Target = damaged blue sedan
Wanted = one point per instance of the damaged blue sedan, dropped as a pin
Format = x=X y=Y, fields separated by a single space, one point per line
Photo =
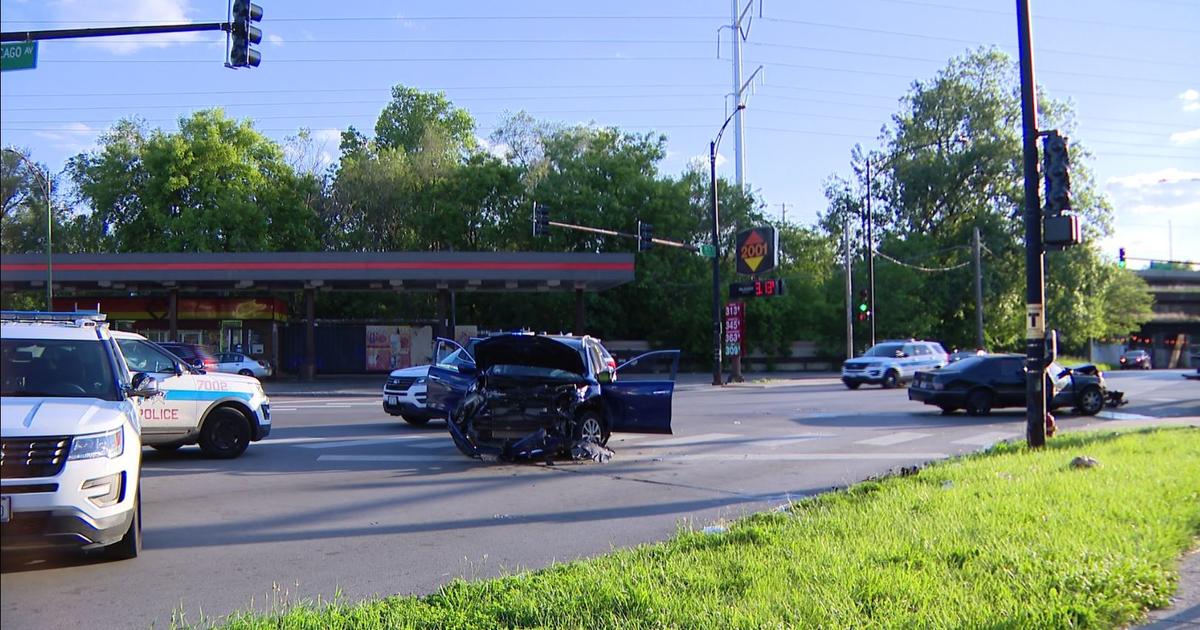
x=526 y=397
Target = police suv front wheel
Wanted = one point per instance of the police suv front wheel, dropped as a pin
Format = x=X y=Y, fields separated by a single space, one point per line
x=225 y=434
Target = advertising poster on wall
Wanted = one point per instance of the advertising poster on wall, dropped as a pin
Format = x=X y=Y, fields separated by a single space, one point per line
x=388 y=347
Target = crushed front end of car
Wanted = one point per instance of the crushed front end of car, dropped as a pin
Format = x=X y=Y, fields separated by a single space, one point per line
x=525 y=403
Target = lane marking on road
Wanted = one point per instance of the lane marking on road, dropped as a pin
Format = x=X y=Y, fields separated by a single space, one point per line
x=384 y=458
x=297 y=441
x=894 y=438
x=274 y=408
x=361 y=442
x=794 y=457
x=692 y=439
x=1117 y=415
x=306 y=401
x=986 y=439
x=776 y=442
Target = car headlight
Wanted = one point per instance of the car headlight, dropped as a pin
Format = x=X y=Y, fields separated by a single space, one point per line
x=109 y=444
x=420 y=380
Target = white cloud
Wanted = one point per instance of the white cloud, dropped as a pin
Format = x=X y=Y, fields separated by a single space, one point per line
x=1156 y=214
x=1191 y=100
x=498 y=150
x=1186 y=137
x=325 y=136
x=73 y=137
x=92 y=14
x=275 y=39
x=700 y=162
x=1154 y=178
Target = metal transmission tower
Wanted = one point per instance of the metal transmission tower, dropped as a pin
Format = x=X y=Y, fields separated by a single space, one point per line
x=739 y=33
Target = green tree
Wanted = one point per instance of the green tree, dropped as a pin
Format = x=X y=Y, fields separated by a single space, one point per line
x=214 y=185
x=420 y=121
x=953 y=163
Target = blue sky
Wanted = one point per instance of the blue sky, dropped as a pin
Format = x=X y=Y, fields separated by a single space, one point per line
x=832 y=76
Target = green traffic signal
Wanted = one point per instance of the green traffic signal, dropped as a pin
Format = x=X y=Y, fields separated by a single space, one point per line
x=862 y=307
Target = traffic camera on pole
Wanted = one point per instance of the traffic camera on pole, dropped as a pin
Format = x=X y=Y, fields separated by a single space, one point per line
x=645 y=236
x=541 y=219
x=243 y=33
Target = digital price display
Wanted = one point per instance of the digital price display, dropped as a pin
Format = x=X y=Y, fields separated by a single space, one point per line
x=759 y=288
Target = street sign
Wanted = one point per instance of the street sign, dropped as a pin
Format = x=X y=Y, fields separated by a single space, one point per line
x=708 y=251
x=19 y=56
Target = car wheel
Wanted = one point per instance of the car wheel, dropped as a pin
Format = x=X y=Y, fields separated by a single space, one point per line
x=130 y=544
x=948 y=409
x=245 y=372
x=166 y=448
x=591 y=427
x=225 y=434
x=852 y=385
x=891 y=379
x=979 y=402
x=1091 y=401
x=416 y=421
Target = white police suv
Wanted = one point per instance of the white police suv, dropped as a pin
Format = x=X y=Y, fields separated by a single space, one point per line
x=222 y=413
x=889 y=363
x=70 y=449
x=404 y=395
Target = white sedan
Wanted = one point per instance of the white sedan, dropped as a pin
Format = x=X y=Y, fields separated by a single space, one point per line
x=238 y=363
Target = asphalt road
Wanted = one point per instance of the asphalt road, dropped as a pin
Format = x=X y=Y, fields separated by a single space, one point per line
x=344 y=499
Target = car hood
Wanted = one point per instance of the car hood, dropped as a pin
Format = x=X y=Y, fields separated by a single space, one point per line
x=235 y=381
x=528 y=350
x=33 y=417
x=861 y=362
x=410 y=372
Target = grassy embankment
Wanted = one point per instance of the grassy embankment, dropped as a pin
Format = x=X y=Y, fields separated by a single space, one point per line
x=1013 y=538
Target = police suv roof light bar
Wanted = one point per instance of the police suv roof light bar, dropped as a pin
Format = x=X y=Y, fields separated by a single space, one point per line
x=52 y=316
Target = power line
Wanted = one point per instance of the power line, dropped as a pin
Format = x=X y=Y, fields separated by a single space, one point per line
x=386 y=88
x=919 y=267
x=398 y=59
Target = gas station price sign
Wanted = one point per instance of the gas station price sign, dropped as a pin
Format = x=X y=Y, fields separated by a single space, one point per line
x=769 y=287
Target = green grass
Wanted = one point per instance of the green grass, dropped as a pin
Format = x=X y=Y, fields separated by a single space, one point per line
x=1009 y=539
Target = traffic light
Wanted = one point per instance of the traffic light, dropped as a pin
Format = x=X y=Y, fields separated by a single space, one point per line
x=645 y=236
x=243 y=33
x=541 y=219
x=863 y=307
x=1121 y=258
x=1055 y=168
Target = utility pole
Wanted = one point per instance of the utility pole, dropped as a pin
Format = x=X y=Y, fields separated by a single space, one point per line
x=978 y=292
x=870 y=255
x=738 y=140
x=783 y=213
x=1035 y=290
x=849 y=295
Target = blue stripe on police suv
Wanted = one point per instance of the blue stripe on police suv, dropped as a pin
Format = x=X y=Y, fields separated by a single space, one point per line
x=177 y=394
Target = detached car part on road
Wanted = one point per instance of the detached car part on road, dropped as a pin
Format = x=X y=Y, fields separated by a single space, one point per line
x=70 y=444
x=980 y=384
x=537 y=397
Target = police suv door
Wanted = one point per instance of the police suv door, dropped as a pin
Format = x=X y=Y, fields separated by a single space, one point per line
x=162 y=415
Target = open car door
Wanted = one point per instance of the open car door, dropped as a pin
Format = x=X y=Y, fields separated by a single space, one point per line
x=450 y=375
x=639 y=395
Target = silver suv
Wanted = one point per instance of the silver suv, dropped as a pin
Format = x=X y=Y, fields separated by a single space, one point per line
x=892 y=362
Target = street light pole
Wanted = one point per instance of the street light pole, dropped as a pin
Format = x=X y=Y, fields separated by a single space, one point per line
x=716 y=243
x=870 y=256
x=49 y=226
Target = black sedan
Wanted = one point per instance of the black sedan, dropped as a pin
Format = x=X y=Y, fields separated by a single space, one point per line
x=980 y=384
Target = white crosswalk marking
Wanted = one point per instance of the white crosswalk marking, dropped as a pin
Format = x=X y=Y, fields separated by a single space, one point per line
x=1117 y=415
x=985 y=439
x=892 y=439
x=795 y=457
x=692 y=439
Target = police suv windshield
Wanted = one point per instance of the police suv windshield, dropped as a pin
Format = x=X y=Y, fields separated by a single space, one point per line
x=63 y=368
x=884 y=350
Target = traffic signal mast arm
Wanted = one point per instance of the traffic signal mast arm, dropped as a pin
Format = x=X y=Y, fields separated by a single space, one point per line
x=656 y=241
x=75 y=33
